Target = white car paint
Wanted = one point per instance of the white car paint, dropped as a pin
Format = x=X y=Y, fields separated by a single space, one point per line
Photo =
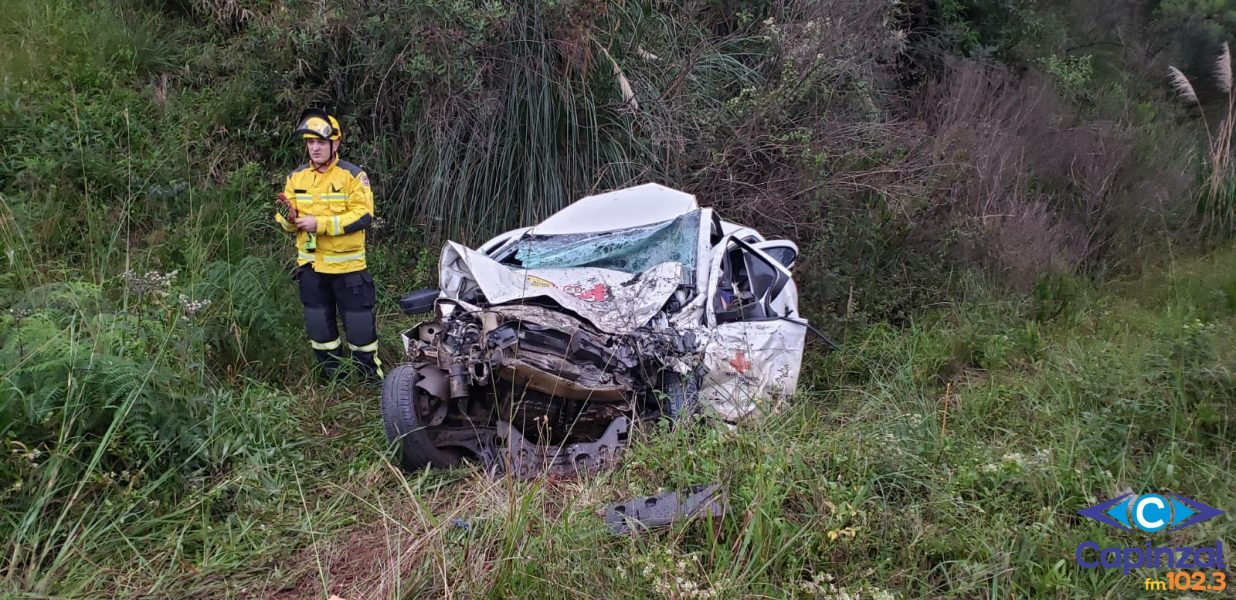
x=749 y=365
x=620 y=209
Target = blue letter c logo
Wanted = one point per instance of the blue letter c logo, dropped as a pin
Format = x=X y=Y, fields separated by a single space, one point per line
x=1152 y=512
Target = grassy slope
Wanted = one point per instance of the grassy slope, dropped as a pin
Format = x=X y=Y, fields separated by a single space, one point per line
x=943 y=459
x=946 y=460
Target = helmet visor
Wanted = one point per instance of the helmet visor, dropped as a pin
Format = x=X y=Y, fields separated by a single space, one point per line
x=315 y=126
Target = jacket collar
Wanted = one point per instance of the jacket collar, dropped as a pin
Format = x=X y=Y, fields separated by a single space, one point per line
x=329 y=166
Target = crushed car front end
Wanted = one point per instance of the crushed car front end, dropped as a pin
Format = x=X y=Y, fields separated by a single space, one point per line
x=547 y=343
x=527 y=389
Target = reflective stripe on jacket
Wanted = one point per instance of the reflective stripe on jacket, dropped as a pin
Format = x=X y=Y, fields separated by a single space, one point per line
x=342 y=201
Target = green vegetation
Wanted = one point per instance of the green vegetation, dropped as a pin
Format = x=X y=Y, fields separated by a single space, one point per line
x=999 y=223
x=946 y=458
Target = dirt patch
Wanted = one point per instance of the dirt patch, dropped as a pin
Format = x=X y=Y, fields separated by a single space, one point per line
x=367 y=561
x=362 y=557
x=444 y=541
x=413 y=543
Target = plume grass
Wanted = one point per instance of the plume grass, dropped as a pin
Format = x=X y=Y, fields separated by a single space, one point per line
x=1223 y=69
x=1184 y=88
x=1216 y=204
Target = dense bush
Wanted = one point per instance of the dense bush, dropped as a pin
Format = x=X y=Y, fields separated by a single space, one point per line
x=909 y=162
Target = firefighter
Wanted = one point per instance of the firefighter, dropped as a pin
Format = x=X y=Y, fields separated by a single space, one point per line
x=329 y=205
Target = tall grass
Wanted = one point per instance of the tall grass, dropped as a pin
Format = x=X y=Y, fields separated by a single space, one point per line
x=128 y=300
x=565 y=114
x=1217 y=199
x=943 y=460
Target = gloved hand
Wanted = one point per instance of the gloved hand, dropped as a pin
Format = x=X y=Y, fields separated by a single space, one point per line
x=282 y=198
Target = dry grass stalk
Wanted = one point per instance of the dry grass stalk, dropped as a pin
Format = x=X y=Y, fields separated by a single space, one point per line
x=628 y=92
x=1223 y=69
x=1182 y=85
x=1217 y=209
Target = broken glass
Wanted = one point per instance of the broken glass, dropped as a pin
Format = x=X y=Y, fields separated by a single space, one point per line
x=632 y=250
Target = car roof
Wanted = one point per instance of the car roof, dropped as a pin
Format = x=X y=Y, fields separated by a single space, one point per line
x=620 y=209
x=741 y=232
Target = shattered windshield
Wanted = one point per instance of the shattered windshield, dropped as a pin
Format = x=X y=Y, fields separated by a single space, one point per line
x=632 y=250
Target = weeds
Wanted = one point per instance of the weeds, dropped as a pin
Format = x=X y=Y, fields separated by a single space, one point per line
x=945 y=461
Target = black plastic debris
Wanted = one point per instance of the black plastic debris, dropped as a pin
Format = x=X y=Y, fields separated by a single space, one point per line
x=661 y=510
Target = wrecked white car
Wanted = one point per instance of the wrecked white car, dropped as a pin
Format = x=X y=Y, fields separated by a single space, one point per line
x=548 y=341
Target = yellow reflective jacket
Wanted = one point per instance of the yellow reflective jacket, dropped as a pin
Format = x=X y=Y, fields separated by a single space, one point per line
x=342 y=201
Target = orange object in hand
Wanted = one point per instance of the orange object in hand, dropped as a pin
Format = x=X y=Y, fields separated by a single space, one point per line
x=291 y=209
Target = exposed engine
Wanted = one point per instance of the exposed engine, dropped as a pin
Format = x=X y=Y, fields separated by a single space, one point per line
x=540 y=379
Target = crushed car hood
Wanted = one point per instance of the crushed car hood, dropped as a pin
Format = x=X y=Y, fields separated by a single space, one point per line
x=612 y=301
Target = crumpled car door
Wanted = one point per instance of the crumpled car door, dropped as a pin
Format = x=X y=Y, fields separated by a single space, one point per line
x=754 y=337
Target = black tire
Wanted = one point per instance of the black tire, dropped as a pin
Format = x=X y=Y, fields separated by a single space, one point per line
x=404 y=425
x=682 y=393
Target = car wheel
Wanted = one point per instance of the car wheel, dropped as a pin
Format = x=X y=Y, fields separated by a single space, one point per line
x=683 y=395
x=401 y=413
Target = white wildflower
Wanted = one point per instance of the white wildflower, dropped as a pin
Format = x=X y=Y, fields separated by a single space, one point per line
x=151 y=282
x=192 y=307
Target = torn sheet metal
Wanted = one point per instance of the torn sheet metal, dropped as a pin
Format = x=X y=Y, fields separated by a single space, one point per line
x=535 y=377
x=663 y=509
x=523 y=459
x=613 y=301
x=750 y=365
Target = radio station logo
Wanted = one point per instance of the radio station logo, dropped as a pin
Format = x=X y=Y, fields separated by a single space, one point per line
x=1154 y=514
x=1150 y=512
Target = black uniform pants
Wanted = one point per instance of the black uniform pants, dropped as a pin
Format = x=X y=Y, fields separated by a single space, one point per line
x=327 y=296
